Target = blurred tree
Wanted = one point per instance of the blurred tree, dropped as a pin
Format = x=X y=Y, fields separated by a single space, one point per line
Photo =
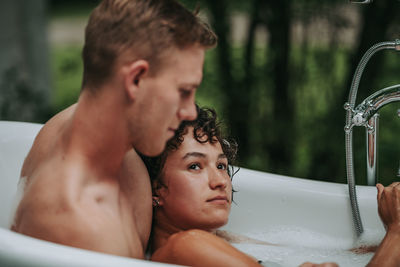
x=237 y=104
x=281 y=86
x=327 y=160
x=376 y=19
x=278 y=16
x=24 y=68
x=292 y=114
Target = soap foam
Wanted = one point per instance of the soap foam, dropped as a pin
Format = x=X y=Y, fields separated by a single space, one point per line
x=298 y=245
x=370 y=237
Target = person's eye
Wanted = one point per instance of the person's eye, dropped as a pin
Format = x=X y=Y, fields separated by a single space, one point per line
x=185 y=93
x=194 y=166
x=222 y=166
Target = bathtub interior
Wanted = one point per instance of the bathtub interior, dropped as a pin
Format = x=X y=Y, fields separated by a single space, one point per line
x=268 y=207
x=310 y=220
x=15 y=141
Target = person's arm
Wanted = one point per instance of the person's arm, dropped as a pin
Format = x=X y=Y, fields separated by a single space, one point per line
x=236 y=238
x=388 y=252
x=200 y=248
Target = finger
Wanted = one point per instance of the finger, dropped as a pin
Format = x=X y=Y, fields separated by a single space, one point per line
x=394 y=184
x=380 y=188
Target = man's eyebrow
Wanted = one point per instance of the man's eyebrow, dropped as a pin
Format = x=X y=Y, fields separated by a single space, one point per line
x=190 y=85
x=194 y=154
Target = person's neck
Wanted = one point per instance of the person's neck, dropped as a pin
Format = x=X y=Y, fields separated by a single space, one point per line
x=161 y=232
x=97 y=131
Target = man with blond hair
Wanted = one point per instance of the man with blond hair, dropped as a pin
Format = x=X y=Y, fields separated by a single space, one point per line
x=84 y=183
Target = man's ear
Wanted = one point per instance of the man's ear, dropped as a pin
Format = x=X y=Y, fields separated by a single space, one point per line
x=134 y=73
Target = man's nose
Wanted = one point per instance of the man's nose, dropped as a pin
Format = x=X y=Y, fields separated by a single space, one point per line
x=188 y=112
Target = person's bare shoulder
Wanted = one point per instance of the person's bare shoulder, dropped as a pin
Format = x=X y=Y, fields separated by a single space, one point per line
x=55 y=210
x=135 y=184
x=134 y=173
x=200 y=248
x=45 y=141
x=42 y=172
x=66 y=202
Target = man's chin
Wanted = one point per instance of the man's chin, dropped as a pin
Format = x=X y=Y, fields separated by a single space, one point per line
x=150 y=152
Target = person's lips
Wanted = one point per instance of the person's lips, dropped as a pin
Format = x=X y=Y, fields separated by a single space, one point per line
x=172 y=130
x=222 y=199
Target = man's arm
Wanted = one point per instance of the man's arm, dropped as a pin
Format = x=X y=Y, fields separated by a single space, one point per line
x=388 y=252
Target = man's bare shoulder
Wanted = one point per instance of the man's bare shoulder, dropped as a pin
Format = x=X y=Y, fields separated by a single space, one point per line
x=45 y=141
x=135 y=184
x=69 y=201
x=60 y=209
x=134 y=172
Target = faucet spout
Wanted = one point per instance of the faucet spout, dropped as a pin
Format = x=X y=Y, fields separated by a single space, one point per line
x=371 y=105
x=372 y=132
x=368 y=111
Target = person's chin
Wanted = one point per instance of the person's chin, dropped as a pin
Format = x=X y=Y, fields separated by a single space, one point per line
x=220 y=221
x=153 y=151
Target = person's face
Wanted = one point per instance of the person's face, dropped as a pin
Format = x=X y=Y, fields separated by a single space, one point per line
x=167 y=99
x=198 y=190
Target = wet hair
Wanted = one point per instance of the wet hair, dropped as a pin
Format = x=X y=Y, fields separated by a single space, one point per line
x=130 y=30
x=206 y=128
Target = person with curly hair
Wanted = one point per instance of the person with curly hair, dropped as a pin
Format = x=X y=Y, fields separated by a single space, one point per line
x=192 y=196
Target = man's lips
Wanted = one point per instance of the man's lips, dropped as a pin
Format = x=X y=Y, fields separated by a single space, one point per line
x=172 y=131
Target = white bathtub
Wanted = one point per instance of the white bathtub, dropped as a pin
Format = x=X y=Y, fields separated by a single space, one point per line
x=266 y=205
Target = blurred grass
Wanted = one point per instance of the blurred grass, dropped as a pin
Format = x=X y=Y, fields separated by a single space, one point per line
x=67 y=69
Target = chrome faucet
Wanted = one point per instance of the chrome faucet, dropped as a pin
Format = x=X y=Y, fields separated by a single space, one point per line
x=365 y=114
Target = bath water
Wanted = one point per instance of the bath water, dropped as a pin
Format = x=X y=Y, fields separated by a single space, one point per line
x=297 y=245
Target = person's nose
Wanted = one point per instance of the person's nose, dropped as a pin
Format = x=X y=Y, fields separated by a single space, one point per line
x=217 y=179
x=187 y=111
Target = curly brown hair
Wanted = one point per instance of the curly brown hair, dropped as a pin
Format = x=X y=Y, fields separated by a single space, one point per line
x=205 y=125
